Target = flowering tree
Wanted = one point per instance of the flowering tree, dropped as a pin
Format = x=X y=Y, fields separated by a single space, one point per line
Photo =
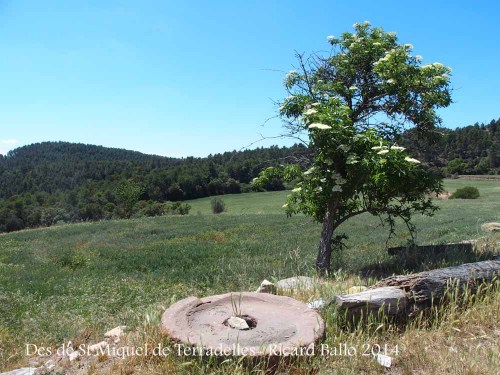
x=353 y=104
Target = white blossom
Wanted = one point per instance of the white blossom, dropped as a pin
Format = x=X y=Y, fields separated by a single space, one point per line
x=352 y=159
x=397 y=148
x=337 y=188
x=382 y=152
x=296 y=190
x=377 y=44
x=309 y=171
x=285 y=205
x=366 y=23
x=315 y=104
x=378 y=147
x=354 y=25
x=419 y=58
x=353 y=88
x=390 y=81
x=344 y=148
x=408 y=46
x=411 y=160
x=439 y=65
x=330 y=38
x=319 y=126
x=310 y=111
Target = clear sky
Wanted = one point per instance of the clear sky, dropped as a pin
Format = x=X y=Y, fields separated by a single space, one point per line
x=180 y=78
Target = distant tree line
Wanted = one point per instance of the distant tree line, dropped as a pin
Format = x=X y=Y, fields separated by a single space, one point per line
x=57 y=182
x=470 y=150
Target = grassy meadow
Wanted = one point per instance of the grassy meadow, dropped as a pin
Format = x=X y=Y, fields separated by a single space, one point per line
x=74 y=282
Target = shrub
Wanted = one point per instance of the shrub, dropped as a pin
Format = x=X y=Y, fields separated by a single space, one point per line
x=218 y=205
x=467 y=192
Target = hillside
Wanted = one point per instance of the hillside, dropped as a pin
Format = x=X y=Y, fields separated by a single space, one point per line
x=96 y=276
x=473 y=149
x=54 y=182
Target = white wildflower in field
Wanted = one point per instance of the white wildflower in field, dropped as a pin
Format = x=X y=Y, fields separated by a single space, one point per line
x=411 y=160
x=382 y=152
x=319 y=126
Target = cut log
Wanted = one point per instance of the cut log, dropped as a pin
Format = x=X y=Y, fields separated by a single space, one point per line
x=390 y=299
x=405 y=295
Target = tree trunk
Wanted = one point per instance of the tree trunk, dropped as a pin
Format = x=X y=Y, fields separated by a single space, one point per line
x=325 y=242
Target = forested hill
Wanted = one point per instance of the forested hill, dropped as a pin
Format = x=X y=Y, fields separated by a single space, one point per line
x=52 y=167
x=51 y=182
x=473 y=149
x=60 y=166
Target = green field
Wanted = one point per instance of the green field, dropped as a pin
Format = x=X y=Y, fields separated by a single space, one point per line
x=76 y=281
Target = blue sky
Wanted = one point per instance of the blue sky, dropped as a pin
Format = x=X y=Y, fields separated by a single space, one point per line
x=180 y=78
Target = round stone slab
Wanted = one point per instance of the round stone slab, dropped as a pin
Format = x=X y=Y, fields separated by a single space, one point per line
x=278 y=325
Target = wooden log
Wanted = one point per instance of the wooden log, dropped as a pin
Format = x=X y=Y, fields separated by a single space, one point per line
x=405 y=295
x=390 y=299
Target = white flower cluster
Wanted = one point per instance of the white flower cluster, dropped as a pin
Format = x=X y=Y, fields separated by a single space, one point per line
x=411 y=160
x=309 y=171
x=352 y=159
x=310 y=111
x=330 y=38
x=319 y=126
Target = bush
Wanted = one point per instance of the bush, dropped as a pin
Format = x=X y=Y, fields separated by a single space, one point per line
x=218 y=205
x=467 y=192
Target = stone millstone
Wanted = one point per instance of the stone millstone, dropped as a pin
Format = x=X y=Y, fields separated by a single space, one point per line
x=277 y=324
